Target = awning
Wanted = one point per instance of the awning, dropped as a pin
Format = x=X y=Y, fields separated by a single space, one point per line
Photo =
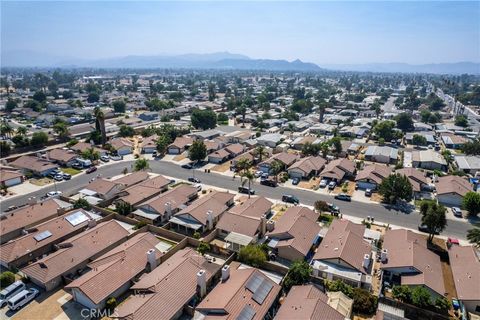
x=273 y=243
x=88 y=192
x=146 y=215
x=188 y=224
x=238 y=238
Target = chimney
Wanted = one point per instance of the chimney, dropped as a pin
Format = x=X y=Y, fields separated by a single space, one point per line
x=366 y=261
x=263 y=225
x=209 y=220
x=152 y=260
x=225 y=272
x=202 y=283
x=270 y=225
x=92 y=223
x=168 y=209
x=384 y=256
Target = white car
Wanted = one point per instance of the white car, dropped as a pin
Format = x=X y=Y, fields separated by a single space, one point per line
x=53 y=193
x=323 y=183
x=22 y=298
x=457 y=212
x=198 y=186
x=258 y=174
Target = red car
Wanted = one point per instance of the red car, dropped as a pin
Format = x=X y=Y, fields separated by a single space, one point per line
x=91 y=169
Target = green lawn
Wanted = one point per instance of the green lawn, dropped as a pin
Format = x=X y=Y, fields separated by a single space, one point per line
x=71 y=171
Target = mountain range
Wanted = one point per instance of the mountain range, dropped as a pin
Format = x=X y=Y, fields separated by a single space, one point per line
x=222 y=60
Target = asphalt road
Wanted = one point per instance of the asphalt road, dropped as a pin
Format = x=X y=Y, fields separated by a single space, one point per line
x=380 y=212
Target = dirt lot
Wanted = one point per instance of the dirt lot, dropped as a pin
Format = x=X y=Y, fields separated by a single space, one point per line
x=311 y=184
x=376 y=197
x=350 y=188
x=222 y=167
x=180 y=157
x=41 y=181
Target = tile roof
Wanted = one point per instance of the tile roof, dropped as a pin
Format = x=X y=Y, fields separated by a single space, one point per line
x=453 y=184
x=6 y=175
x=33 y=163
x=344 y=240
x=254 y=207
x=181 y=142
x=76 y=251
x=118 y=143
x=177 y=197
x=138 y=193
x=61 y=155
x=235 y=148
x=309 y=164
x=416 y=177
x=338 y=168
x=116 y=268
x=216 y=202
x=102 y=186
x=168 y=288
x=284 y=157
x=465 y=264
x=374 y=172
x=245 y=225
x=132 y=178
x=307 y=303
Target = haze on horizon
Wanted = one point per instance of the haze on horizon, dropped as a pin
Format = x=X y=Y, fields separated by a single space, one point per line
x=319 y=32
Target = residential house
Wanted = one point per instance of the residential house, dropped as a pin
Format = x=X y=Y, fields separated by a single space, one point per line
x=112 y=274
x=453 y=141
x=344 y=255
x=166 y=291
x=41 y=238
x=300 y=142
x=202 y=214
x=83 y=146
x=428 y=135
x=179 y=145
x=372 y=176
x=451 y=190
x=122 y=146
x=149 y=144
x=405 y=255
x=338 y=169
x=103 y=189
x=270 y=140
x=322 y=128
x=382 y=154
x=465 y=264
x=136 y=178
x=286 y=159
x=162 y=207
x=428 y=159
x=294 y=234
x=14 y=223
x=245 y=293
x=143 y=191
x=206 y=135
x=149 y=116
x=468 y=164
x=307 y=167
x=74 y=254
x=65 y=158
x=226 y=153
x=417 y=178
x=239 y=136
x=33 y=165
x=10 y=177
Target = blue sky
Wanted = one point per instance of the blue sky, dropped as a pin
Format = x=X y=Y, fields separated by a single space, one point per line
x=320 y=32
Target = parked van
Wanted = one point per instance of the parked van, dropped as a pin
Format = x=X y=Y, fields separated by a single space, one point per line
x=22 y=298
x=10 y=291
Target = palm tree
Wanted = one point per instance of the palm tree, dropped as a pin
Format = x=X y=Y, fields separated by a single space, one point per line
x=6 y=129
x=22 y=131
x=260 y=152
x=275 y=168
x=473 y=236
x=247 y=176
x=242 y=109
x=100 y=124
x=243 y=165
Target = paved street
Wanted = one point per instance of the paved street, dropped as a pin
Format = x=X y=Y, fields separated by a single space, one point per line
x=357 y=209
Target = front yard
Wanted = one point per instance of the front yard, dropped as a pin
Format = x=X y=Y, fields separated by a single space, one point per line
x=71 y=171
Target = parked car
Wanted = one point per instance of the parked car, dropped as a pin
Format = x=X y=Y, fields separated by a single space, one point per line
x=53 y=193
x=77 y=166
x=426 y=229
x=290 y=199
x=194 y=180
x=323 y=183
x=58 y=177
x=268 y=182
x=91 y=169
x=258 y=174
x=457 y=212
x=198 y=186
x=172 y=181
x=116 y=157
x=295 y=181
x=343 y=197
x=105 y=158
x=22 y=298
x=264 y=175
x=368 y=193
x=10 y=291
x=332 y=185
x=187 y=166
x=246 y=190
x=66 y=176
x=154 y=154
x=334 y=209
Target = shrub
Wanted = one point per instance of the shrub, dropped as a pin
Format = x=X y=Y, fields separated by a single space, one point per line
x=421 y=297
x=321 y=206
x=363 y=301
x=139 y=225
x=111 y=304
x=442 y=304
x=298 y=274
x=402 y=293
x=82 y=203
x=196 y=235
x=6 y=279
x=253 y=255
x=203 y=248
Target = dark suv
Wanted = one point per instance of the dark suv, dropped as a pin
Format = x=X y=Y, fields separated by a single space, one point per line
x=290 y=199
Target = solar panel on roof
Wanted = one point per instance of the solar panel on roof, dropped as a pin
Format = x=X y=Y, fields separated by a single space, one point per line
x=262 y=292
x=42 y=235
x=247 y=313
x=254 y=282
x=76 y=218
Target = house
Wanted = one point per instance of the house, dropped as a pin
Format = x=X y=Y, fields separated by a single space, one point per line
x=420 y=126
x=307 y=167
x=149 y=144
x=245 y=293
x=247 y=155
x=239 y=136
x=270 y=139
x=149 y=116
x=136 y=178
x=468 y=164
x=428 y=159
x=235 y=149
x=294 y=234
x=74 y=254
x=382 y=154
x=122 y=146
x=417 y=178
x=286 y=159
x=202 y=214
x=206 y=135
x=451 y=190
x=33 y=165
x=405 y=256
x=65 y=158
x=144 y=190
x=113 y=273
x=10 y=178
x=169 y=288
x=83 y=146
x=179 y=145
x=300 y=142
x=15 y=222
x=41 y=238
x=308 y=302
x=244 y=223
x=338 y=169
x=219 y=156
x=344 y=255
x=372 y=176
x=428 y=135
x=162 y=207
x=322 y=129
x=103 y=189
x=465 y=264
x=453 y=141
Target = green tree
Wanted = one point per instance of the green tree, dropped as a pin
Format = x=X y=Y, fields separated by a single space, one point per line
x=298 y=274
x=82 y=204
x=336 y=142
x=126 y=131
x=260 y=152
x=39 y=96
x=442 y=304
x=91 y=154
x=5 y=148
x=141 y=164
x=275 y=168
x=421 y=297
x=402 y=293
x=197 y=151
x=394 y=187
x=384 y=130
x=203 y=247
x=204 y=119
x=363 y=301
x=434 y=217
x=6 y=129
x=61 y=129
x=211 y=92
x=473 y=236
x=472 y=147
x=39 y=138
x=22 y=131
x=222 y=118
x=6 y=279
x=119 y=106
x=10 y=105
x=247 y=176
x=243 y=165
x=461 y=120
x=93 y=97
x=162 y=143
x=339 y=285
x=100 y=126
x=253 y=255
x=471 y=203
x=310 y=149
x=111 y=304
x=404 y=121
x=123 y=208
x=321 y=206
x=419 y=140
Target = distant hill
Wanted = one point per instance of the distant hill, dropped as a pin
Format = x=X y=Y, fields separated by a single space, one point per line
x=218 y=60
x=435 y=68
